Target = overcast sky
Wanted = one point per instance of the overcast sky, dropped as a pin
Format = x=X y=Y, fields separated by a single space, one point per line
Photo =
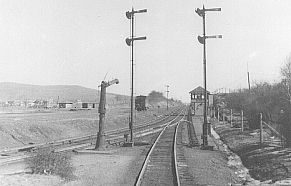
x=78 y=42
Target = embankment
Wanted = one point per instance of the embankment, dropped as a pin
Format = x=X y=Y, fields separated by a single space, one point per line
x=268 y=162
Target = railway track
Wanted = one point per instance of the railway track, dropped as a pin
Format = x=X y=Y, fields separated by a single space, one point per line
x=165 y=163
x=143 y=126
x=19 y=154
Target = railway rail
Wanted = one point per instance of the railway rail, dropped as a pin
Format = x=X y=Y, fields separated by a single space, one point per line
x=165 y=163
x=117 y=136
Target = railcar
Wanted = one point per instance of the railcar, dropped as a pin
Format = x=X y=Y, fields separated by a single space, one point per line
x=140 y=103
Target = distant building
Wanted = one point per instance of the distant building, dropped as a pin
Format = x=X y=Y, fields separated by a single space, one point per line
x=78 y=105
x=65 y=104
x=89 y=105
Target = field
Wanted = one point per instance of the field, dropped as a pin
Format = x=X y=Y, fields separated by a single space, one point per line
x=17 y=129
x=22 y=128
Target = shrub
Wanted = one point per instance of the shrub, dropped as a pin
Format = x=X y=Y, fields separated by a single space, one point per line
x=46 y=161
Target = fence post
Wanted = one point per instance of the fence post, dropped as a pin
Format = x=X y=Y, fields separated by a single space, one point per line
x=230 y=117
x=218 y=113
x=214 y=112
x=223 y=115
x=242 y=120
x=281 y=136
x=261 y=129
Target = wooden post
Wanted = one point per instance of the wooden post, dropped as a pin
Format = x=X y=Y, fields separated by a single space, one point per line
x=214 y=112
x=261 y=129
x=230 y=117
x=223 y=115
x=218 y=113
x=242 y=120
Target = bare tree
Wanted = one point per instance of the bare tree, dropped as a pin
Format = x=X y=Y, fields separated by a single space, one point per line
x=286 y=81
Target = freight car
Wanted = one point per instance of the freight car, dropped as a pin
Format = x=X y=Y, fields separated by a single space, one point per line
x=140 y=103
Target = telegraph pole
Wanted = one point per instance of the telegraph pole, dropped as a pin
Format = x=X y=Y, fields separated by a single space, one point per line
x=129 y=42
x=249 y=78
x=202 y=40
x=167 y=96
x=242 y=120
x=230 y=117
x=218 y=114
x=261 y=130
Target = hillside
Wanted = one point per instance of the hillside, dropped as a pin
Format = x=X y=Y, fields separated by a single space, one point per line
x=17 y=91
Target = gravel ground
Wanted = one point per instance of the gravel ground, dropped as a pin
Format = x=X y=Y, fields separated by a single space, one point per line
x=120 y=168
x=96 y=169
x=208 y=167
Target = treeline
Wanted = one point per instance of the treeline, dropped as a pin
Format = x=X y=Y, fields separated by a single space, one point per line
x=272 y=100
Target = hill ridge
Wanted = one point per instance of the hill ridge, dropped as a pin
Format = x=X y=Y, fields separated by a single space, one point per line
x=20 y=91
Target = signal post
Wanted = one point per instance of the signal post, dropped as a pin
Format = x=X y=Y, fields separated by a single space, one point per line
x=202 y=40
x=129 y=42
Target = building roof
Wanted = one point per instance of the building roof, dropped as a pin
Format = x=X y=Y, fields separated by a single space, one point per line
x=198 y=90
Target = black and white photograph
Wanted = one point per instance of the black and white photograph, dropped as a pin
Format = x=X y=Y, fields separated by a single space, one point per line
x=145 y=92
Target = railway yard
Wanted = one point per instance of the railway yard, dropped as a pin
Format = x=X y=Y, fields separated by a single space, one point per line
x=167 y=162
x=166 y=151
x=61 y=133
x=167 y=147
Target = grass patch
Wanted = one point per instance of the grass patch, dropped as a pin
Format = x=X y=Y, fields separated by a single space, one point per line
x=48 y=162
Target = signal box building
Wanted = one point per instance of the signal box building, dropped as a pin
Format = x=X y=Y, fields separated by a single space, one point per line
x=197 y=98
